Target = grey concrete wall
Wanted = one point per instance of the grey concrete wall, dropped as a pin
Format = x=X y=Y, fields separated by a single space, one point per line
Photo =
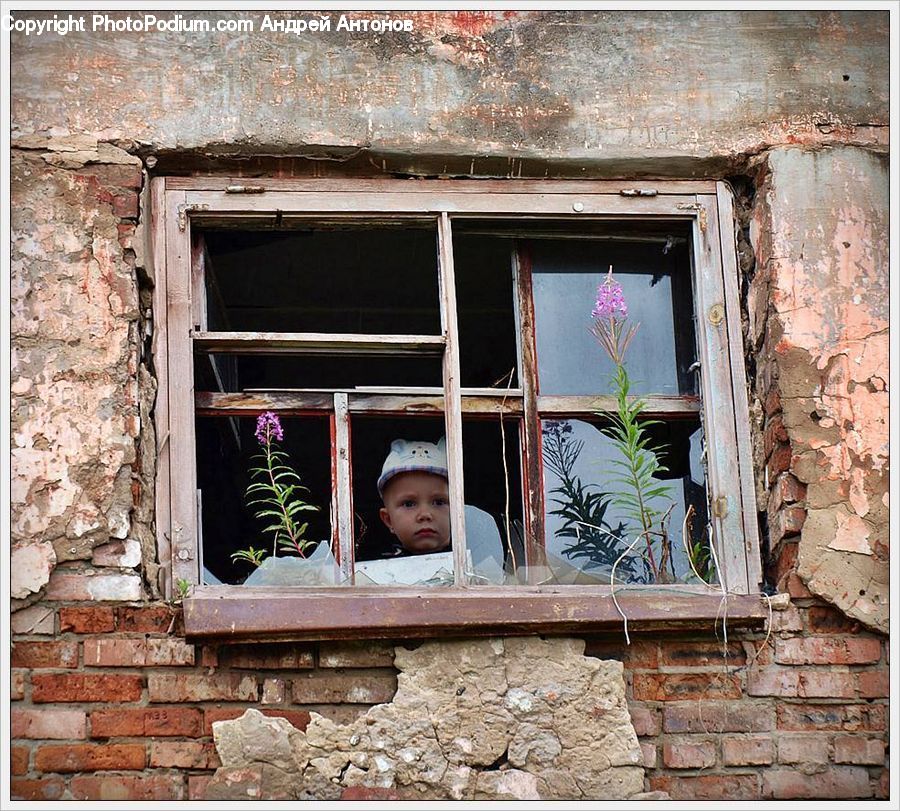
x=606 y=91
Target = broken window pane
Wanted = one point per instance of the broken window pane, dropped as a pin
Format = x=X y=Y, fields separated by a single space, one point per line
x=657 y=290
x=589 y=528
x=227 y=451
x=351 y=278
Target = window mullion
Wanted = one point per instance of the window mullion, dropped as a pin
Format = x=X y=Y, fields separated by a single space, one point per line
x=532 y=468
x=342 y=486
x=183 y=492
x=452 y=399
x=712 y=336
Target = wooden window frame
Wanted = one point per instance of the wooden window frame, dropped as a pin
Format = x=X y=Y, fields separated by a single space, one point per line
x=238 y=612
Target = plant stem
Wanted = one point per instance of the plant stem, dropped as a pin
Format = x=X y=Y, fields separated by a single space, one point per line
x=278 y=494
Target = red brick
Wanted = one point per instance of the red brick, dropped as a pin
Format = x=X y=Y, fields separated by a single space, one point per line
x=297 y=718
x=774 y=433
x=854 y=749
x=874 y=683
x=747 y=751
x=154 y=619
x=361 y=687
x=779 y=461
x=285 y=656
x=114 y=652
x=183 y=755
x=639 y=655
x=49 y=724
x=684 y=686
x=80 y=687
x=831 y=717
x=826 y=684
x=827 y=651
x=46 y=788
x=93 y=620
x=197 y=784
x=122 y=175
x=169 y=652
x=684 y=754
x=140 y=722
x=648 y=754
x=18 y=760
x=811 y=748
x=125 y=205
x=797 y=588
x=696 y=653
x=645 y=721
x=44 y=654
x=356 y=654
x=93 y=584
x=786 y=523
x=209 y=656
x=836 y=783
x=128 y=788
x=90 y=757
x=823 y=619
x=729 y=787
x=17 y=685
x=772 y=402
x=273 y=691
x=718 y=717
x=788 y=621
x=178 y=687
x=787 y=490
x=785 y=560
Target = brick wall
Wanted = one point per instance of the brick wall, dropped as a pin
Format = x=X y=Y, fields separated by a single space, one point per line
x=110 y=702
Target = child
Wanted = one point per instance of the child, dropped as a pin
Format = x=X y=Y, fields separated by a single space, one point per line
x=413 y=486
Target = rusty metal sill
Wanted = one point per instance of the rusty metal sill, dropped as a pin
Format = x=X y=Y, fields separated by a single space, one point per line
x=237 y=613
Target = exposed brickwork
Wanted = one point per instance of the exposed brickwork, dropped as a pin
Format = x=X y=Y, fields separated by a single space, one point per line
x=45 y=654
x=147 y=722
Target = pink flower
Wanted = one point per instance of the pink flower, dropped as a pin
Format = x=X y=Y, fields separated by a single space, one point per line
x=268 y=427
x=610 y=300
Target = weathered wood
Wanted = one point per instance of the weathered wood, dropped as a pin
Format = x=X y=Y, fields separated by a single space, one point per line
x=738 y=384
x=159 y=349
x=531 y=425
x=342 y=486
x=656 y=405
x=724 y=484
x=182 y=495
x=294 y=403
x=221 y=182
x=359 y=203
x=198 y=283
x=317 y=343
x=238 y=612
x=452 y=398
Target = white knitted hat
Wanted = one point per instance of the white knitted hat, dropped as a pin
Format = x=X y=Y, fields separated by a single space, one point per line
x=406 y=457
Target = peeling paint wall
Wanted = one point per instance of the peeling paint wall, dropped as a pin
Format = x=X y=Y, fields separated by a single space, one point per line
x=111 y=702
x=819 y=308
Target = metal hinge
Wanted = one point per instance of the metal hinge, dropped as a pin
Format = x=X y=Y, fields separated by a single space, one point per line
x=720 y=506
x=638 y=192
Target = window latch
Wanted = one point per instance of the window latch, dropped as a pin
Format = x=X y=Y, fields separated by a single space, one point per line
x=638 y=192
x=244 y=189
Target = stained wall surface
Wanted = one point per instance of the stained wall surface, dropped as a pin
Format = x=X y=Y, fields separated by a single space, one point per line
x=111 y=702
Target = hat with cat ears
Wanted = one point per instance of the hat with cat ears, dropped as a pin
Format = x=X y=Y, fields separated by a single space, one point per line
x=407 y=457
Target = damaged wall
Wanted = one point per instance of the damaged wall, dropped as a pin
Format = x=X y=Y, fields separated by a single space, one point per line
x=111 y=702
x=819 y=313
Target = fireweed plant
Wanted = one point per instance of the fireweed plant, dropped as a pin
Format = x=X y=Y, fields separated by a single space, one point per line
x=639 y=492
x=275 y=492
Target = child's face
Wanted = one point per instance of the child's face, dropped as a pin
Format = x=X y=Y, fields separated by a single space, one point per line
x=417 y=510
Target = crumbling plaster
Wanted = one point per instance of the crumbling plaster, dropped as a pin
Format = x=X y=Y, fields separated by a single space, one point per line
x=600 y=91
x=79 y=385
x=520 y=718
x=819 y=305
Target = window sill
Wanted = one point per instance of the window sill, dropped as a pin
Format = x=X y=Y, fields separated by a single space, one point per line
x=242 y=613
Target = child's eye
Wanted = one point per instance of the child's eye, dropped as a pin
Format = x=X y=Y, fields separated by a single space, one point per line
x=408 y=503
x=441 y=502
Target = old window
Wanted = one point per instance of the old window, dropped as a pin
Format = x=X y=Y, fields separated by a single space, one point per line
x=363 y=311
